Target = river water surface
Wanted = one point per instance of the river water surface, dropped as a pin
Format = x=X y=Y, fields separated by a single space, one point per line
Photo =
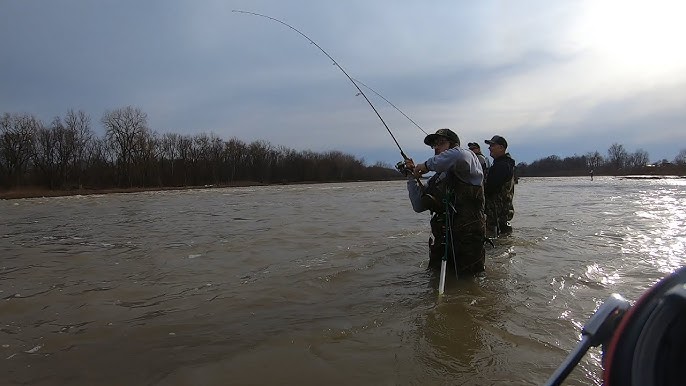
x=317 y=284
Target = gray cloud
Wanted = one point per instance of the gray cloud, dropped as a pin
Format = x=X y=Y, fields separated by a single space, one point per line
x=521 y=70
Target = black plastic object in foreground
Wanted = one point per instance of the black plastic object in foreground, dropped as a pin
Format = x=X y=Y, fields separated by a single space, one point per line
x=649 y=347
x=597 y=331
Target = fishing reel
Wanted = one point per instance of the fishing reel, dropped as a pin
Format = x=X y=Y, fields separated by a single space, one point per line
x=403 y=169
x=642 y=344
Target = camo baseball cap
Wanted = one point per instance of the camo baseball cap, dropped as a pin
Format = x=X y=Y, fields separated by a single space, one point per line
x=431 y=139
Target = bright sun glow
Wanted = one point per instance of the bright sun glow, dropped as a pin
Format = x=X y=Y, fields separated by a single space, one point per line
x=639 y=38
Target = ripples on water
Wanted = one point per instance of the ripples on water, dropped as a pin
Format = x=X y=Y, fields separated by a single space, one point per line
x=313 y=284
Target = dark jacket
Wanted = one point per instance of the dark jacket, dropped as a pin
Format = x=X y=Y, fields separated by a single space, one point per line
x=499 y=174
x=499 y=193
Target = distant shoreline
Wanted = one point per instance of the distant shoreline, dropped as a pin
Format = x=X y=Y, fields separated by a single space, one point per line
x=38 y=192
x=651 y=177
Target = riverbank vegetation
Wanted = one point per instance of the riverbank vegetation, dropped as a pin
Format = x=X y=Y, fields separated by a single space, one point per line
x=67 y=157
x=618 y=162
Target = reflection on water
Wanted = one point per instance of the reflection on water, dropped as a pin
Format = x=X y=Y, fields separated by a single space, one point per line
x=317 y=283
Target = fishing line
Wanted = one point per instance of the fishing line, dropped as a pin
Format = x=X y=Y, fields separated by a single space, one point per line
x=402 y=153
x=394 y=106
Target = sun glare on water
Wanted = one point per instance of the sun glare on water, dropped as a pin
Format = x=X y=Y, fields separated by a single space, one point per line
x=638 y=38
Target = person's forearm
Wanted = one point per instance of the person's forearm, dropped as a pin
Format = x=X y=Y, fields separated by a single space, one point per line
x=415 y=192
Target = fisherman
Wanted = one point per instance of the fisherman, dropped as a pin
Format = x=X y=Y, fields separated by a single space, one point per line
x=457 y=185
x=485 y=162
x=499 y=188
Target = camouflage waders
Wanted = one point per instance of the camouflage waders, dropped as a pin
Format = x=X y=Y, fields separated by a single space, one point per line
x=468 y=227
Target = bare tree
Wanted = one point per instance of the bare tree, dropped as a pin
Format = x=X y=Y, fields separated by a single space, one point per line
x=638 y=159
x=149 y=159
x=185 y=156
x=216 y=158
x=680 y=159
x=124 y=129
x=236 y=154
x=199 y=156
x=64 y=148
x=617 y=156
x=594 y=160
x=78 y=136
x=99 y=164
x=17 y=141
x=258 y=160
x=45 y=152
x=170 y=153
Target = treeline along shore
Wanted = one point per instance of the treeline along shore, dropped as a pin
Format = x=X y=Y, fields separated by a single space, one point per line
x=618 y=162
x=66 y=157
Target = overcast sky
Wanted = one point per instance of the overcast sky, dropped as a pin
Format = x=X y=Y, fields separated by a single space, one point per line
x=552 y=77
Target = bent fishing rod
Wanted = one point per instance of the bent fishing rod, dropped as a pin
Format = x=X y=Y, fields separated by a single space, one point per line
x=360 y=92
